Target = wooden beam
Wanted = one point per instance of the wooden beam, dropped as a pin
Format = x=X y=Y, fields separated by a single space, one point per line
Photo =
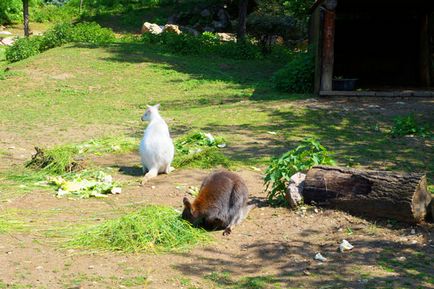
x=315 y=44
x=328 y=50
x=425 y=59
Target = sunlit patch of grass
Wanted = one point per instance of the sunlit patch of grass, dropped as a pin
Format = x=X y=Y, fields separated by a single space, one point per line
x=10 y=222
x=109 y=144
x=152 y=229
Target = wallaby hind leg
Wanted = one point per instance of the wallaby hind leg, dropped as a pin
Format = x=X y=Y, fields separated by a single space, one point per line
x=152 y=173
x=169 y=169
x=238 y=219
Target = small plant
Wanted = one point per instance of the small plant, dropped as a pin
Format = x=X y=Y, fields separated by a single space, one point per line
x=298 y=75
x=300 y=159
x=153 y=229
x=407 y=125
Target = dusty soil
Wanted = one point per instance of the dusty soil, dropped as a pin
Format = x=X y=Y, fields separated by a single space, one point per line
x=272 y=242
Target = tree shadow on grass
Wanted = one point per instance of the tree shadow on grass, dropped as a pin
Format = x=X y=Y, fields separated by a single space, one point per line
x=354 y=129
x=372 y=264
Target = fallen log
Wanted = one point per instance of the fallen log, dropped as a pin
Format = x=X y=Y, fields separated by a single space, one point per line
x=392 y=195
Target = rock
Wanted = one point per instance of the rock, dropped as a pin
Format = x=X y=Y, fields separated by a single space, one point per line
x=151 y=28
x=295 y=189
x=227 y=36
x=6 y=32
x=8 y=41
x=205 y=13
x=172 y=28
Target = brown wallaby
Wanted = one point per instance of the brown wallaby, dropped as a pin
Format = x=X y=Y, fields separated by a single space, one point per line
x=221 y=203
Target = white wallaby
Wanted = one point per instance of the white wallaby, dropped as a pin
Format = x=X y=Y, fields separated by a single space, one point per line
x=156 y=148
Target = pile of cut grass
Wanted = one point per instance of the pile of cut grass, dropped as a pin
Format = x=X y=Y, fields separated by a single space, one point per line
x=152 y=229
x=200 y=150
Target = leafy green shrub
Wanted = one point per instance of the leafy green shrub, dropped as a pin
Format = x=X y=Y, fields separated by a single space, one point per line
x=53 y=13
x=10 y=11
x=152 y=229
x=407 y=125
x=204 y=44
x=300 y=159
x=92 y=33
x=298 y=75
x=57 y=36
x=23 y=48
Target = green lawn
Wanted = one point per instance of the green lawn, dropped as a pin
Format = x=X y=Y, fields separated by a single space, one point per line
x=74 y=93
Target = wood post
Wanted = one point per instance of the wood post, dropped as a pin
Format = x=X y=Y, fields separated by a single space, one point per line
x=328 y=46
x=393 y=195
x=425 y=58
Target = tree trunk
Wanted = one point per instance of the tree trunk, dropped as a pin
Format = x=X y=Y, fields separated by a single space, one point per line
x=26 y=17
x=403 y=197
x=242 y=19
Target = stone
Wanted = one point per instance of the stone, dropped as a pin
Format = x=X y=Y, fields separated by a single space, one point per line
x=172 y=28
x=227 y=36
x=8 y=41
x=151 y=28
x=294 y=193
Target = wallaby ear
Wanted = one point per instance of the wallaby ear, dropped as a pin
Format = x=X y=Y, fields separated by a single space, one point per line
x=157 y=106
x=187 y=203
x=148 y=105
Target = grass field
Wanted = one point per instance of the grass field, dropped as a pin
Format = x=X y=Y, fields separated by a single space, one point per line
x=77 y=93
x=105 y=90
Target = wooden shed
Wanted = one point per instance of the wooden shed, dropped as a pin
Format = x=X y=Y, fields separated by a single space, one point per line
x=384 y=47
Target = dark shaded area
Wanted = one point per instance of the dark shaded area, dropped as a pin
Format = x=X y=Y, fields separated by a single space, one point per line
x=298 y=269
x=355 y=129
x=378 y=49
x=133 y=171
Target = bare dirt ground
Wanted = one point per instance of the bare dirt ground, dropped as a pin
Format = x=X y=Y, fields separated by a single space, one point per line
x=274 y=245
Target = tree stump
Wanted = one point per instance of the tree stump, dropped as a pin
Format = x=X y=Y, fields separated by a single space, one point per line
x=393 y=195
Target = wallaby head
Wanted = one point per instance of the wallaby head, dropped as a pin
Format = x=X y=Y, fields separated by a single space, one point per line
x=189 y=214
x=151 y=112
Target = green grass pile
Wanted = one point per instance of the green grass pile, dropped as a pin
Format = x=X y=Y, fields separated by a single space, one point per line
x=200 y=150
x=206 y=158
x=152 y=229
